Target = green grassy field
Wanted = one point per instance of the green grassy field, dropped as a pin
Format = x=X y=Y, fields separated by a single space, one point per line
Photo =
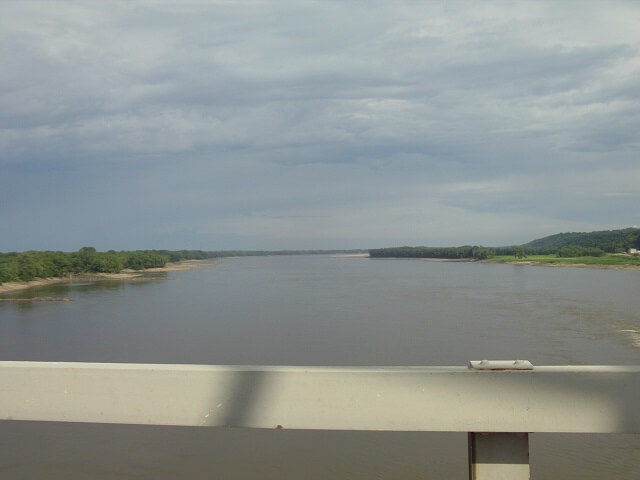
x=608 y=259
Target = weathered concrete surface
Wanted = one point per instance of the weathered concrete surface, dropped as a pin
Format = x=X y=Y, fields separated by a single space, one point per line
x=596 y=399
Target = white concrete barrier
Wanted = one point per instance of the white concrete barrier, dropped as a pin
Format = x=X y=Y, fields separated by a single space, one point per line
x=497 y=403
x=595 y=399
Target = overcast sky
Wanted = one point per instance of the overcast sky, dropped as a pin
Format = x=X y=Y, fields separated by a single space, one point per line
x=312 y=125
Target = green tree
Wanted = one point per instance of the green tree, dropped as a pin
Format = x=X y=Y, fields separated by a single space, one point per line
x=29 y=267
x=519 y=252
x=84 y=260
x=108 y=263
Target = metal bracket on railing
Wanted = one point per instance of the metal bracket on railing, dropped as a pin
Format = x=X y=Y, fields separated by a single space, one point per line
x=492 y=455
x=498 y=456
x=500 y=365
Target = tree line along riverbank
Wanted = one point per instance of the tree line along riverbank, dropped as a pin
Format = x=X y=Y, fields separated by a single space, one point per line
x=27 y=266
x=32 y=265
x=608 y=247
x=590 y=248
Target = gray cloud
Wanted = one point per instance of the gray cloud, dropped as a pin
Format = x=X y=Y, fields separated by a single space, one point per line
x=315 y=124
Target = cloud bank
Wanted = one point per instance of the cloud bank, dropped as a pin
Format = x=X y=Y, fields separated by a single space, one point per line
x=269 y=125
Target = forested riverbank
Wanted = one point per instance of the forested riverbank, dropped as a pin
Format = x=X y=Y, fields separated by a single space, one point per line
x=32 y=265
x=457 y=253
x=128 y=275
x=614 y=248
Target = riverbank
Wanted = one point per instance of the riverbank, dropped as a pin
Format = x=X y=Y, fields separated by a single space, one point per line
x=545 y=261
x=611 y=262
x=11 y=287
x=575 y=265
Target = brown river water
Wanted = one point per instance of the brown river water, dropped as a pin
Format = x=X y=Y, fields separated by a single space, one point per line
x=319 y=310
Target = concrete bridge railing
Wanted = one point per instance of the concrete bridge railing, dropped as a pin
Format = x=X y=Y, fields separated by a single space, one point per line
x=497 y=403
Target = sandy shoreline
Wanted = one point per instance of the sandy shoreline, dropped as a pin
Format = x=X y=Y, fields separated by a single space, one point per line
x=10 y=287
x=575 y=265
x=522 y=262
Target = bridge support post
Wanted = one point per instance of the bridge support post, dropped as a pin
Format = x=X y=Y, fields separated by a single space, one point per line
x=498 y=456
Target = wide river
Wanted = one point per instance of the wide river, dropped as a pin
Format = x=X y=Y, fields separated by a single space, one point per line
x=320 y=310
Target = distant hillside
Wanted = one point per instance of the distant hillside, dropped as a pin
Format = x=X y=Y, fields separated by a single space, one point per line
x=611 y=241
x=589 y=243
